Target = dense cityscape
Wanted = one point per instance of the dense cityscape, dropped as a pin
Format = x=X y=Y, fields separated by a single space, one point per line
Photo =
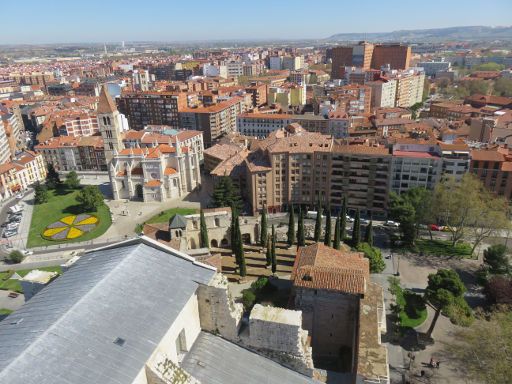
x=320 y=210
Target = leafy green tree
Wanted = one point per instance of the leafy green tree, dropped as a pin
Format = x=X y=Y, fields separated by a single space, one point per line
x=368 y=235
x=72 y=180
x=203 y=232
x=466 y=205
x=445 y=293
x=41 y=194
x=328 y=223
x=337 y=233
x=226 y=194
x=52 y=177
x=484 y=349
x=489 y=67
x=264 y=227
x=16 y=257
x=374 y=255
x=356 y=230
x=503 y=87
x=301 y=237
x=291 y=227
x=411 y=209
x=273 y=253
x=318 y=222
x=90 y=197
x=343 y=223
x=497 y=260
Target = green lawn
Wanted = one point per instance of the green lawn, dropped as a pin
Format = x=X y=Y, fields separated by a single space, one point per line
x=443 y=248
x=8 y=284
x=165 y=216
x=5 y=311
x=414 y=311
x=61 y=203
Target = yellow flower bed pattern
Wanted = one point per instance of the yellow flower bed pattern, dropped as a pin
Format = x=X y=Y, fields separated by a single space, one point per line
x=70 y=227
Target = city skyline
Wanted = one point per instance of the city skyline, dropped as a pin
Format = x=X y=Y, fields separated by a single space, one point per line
x=233 y=21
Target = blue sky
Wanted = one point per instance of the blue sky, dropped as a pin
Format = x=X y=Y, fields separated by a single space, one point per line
x=61 y=21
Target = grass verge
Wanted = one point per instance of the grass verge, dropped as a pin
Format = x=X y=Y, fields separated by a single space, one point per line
x=165 y=216
x=443 y=248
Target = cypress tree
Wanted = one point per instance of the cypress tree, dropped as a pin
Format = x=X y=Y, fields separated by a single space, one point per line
x=203 y=231
x=318 y=222
x=234 y=219
x=241 y=259
x=274 y=260
x=343 y=223
x=368 y=235
x=337 y=234
x=291 y=227
x=268 y=255
x=263 y=226
x=239 y=244
x=301 y=238
x=356 y=230
x=328 y=234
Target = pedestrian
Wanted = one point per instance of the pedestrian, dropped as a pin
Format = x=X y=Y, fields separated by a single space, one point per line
x=437 y=364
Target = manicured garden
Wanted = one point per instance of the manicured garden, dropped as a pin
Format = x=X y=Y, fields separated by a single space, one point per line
x=8 y=284
x=409 y=308
x=63 y=219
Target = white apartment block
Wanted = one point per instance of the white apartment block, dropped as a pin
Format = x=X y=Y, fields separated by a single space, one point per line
x=432 y=67
x=234 y=68
x=383 y=93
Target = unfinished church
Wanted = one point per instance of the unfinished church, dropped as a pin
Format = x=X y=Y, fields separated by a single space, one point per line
x=140 y=313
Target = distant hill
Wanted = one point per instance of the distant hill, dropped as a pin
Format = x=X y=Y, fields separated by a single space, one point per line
x=436 y=34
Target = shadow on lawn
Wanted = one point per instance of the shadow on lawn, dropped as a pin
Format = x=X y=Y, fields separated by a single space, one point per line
x=75 y=209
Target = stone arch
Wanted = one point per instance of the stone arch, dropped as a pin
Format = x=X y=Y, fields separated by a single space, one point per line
x=224 y=242
x=192 y=244
x=214 y=243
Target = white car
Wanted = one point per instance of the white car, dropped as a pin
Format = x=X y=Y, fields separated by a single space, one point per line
x=26 y=252
x=365 y=221
x=391 y=223
x=350 y=219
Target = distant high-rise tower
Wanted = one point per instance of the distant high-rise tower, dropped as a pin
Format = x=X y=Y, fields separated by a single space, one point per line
x=109 y=124
x=105 y=49
x=122 y=44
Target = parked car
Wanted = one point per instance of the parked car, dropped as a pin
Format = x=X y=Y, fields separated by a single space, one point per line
x=350 y=219
x=434 y=227
x=365 y=221
x=19 y=195
x=391 y=223
x=14 y=219
x=7 y=234
x=26 y=252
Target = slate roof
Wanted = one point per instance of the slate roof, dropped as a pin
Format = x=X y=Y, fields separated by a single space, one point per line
x=214 y=360
x=178 y=221
x=65 y=334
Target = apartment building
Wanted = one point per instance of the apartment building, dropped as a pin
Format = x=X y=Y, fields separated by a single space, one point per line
x=410 y=85
x=383 y=93
x=293 y=166
x=397 y=56
x=456 y=159
x=69 y=153
x=288 y=95
x=6 y=151
x=79 y=123
x=258 y=93
x=355 y=97
x=415 y=164
x=367 y=56
x=145 y=108
x=25 y=170
x=432 y=67
x=142 y=80
x=261 y=124
x=214 y=121
x=493 y=166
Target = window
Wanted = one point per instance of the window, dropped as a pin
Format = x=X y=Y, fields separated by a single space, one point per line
x=181 y=343
x=217 y=222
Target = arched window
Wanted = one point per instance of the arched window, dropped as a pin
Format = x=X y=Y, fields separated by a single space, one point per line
x=108 y=120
